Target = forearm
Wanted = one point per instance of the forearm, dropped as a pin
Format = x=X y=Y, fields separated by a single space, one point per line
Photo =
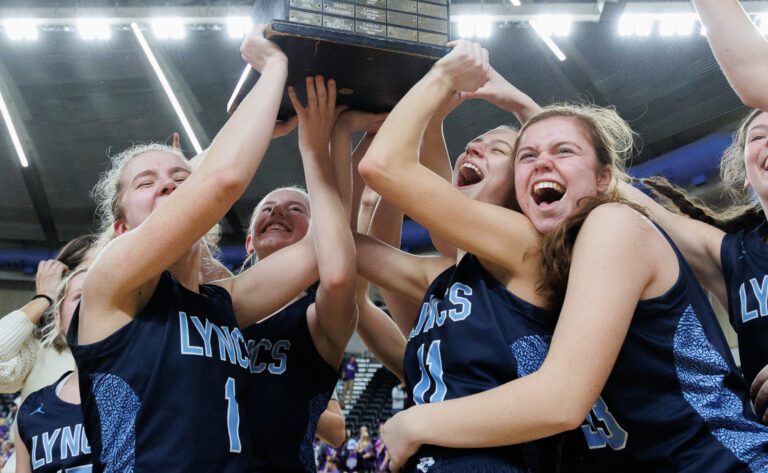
x=361 y=216
x=520 y=411
x=382 y=337
x=740 y=49
x=334 y=246
x=240 y=145
x=330 y=428
x=341 y=158
x=519 y=104
x=16 y=329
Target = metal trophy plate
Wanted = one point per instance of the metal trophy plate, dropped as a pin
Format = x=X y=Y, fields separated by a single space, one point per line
x=376 y=50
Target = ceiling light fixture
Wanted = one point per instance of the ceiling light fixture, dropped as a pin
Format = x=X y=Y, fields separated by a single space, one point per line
x=12 y=132
x=238 y=26
x=543 y=31
x=20 y=29
x=166 y=87
x=168 y=28
x=94 y=28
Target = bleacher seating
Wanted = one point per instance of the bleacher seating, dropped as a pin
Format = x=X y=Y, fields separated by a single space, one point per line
x=372 y=401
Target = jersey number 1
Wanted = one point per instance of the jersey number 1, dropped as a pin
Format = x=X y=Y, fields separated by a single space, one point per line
x=233 y=416
x=431 y=369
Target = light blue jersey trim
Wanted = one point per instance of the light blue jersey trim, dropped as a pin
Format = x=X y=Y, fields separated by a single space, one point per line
x=701 y=371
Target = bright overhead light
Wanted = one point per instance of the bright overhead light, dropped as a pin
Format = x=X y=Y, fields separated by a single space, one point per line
x=93 y=28
x=466 y=26
x=483 y=26
x=676 y=24
x=546 y=36
x=238 y=26
x=12 y=132
x=168 y=28
x=636 y=24
x=20 y=29
x=166 y=86
x=553 y=25
x=475 y=26
x=516 y=3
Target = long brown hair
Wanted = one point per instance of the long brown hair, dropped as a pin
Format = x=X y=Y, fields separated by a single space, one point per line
x=613 y=142
x=733 y=219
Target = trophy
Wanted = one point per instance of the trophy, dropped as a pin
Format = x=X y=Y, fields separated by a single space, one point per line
x=376 y=50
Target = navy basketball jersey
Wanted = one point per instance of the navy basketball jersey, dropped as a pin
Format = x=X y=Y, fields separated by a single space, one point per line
x=166 y=391
x=472 y=335
x=290 y=387
x=674 y=401
x=52 y=430
x=744 y=257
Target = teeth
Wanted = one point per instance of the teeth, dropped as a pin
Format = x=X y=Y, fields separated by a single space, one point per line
x=472 y=167
x=548 y=185
x=276 y=226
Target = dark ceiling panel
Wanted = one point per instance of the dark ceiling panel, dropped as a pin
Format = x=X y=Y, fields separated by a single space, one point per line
x=86 y=100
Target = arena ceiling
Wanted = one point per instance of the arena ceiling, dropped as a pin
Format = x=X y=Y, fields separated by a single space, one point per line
x=75 y=101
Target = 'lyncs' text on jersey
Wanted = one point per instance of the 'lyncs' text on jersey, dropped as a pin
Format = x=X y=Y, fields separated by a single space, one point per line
x=753 y=297
x=436 y=311
x=199 y=337
x=69 y=441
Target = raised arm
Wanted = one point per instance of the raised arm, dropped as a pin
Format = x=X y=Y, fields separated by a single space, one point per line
x=740 y=49
x=600 y=301
x=377 y=330
x=506 y=96
x=700 y=243
x=335 y=313
x=391 y=168
x=143 y=253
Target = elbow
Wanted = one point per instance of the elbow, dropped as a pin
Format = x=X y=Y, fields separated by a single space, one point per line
x=340 y=282
x=228 y=184
x=751 y=96
x=372 y=168
x=341 y=277
x=338 y=436
x=571 y=415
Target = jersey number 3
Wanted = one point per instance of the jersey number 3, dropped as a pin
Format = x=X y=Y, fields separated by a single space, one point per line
x=233 y=416
x=431 y=368
x=601 y=428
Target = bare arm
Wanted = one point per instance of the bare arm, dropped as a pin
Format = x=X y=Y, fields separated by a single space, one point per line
x=434 y=156
x=330 y=426
x=192 y=209
x=387 y=267
x=257 y=293
x=23 y=462
x=506 y=96
x=391 y=167
x=335 y=308
x=600 y=301
x=740 y=49
x=700 y=243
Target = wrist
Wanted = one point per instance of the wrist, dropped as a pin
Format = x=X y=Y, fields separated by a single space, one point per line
x=416 y=425
x=43 y=297
x=276 y=63
x=438 y=80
